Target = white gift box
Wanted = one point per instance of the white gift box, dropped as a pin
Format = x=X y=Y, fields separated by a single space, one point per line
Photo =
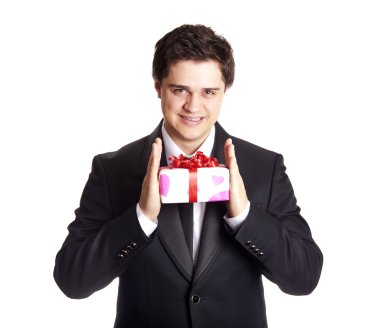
x=204 y=184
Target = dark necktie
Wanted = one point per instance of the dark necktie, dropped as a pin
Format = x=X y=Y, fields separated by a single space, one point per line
x=186 y=214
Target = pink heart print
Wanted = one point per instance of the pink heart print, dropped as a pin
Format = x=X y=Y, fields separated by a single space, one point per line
x=217 y=179
x=164 y=184
x=223 y=195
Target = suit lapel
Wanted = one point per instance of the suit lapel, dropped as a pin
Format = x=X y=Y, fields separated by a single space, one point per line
x=171 y=234
x=220 y=138
x=148 y=149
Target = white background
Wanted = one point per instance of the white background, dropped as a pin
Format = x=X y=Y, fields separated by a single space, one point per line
x=75 y=81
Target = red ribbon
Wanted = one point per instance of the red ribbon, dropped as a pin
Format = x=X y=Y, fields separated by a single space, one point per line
x=193 y=186
x=192 y=164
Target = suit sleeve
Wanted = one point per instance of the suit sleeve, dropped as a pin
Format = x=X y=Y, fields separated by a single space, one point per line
x=279 y=239
x=99 y=246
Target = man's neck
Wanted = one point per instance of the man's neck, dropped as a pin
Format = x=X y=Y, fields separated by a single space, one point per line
x=189 y=148
x=176 y=148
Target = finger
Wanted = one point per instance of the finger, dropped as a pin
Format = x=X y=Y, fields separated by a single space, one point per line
x=150 y=158
x=226 y=146
x=232 y=163
x=229 y=150
x=155 y=157
x=157 y=150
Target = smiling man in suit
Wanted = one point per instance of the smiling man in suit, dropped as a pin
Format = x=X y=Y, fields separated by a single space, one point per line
x=196 y=265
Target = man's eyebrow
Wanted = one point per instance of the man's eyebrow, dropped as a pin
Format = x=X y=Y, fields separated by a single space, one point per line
x=180 y=86
x=211 y=89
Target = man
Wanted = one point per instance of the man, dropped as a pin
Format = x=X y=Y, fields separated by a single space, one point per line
x=169 y=276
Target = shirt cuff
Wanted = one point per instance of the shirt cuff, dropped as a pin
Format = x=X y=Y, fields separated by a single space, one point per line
x=236 y=221
x=147 y=225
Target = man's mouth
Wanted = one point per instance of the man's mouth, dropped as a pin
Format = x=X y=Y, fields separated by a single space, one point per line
x=191 y=118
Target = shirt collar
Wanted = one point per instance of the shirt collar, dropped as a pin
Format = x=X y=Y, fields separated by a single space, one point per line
x=171 y=149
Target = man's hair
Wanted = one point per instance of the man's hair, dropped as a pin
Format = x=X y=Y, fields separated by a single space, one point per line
x=193 y=42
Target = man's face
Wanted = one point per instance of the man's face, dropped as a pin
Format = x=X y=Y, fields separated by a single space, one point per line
x=191 y=98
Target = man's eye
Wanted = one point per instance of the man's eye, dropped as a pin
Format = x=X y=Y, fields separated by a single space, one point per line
x=209 y=92
x=180 y=91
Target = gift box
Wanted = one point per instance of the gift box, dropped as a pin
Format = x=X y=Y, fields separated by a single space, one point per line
x=195 y=179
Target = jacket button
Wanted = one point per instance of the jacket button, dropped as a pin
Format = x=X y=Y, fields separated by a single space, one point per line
x=133 y=245
x=120 y=256
x=195 y=299
x=248 y=242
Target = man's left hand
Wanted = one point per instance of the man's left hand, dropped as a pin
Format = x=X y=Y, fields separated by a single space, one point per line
x=238 y=197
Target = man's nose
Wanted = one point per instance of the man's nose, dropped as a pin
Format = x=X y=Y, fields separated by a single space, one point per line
x=193 y=103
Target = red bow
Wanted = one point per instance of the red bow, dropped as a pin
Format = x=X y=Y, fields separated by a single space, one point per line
x=193 y=162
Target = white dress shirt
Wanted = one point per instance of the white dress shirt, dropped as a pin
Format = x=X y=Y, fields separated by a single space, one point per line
x=171 y=149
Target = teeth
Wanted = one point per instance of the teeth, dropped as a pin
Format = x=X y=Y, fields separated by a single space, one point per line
x=192 y=119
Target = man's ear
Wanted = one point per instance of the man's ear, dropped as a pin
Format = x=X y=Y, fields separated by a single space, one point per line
x=157 y=86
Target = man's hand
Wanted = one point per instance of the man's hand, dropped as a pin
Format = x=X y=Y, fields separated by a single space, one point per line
x=238 y=197
x=150 y=202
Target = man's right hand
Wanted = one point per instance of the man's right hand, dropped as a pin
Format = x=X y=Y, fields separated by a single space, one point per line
x=150 y=202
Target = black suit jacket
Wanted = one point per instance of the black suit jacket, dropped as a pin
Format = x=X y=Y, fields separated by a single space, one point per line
x=158 y=285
